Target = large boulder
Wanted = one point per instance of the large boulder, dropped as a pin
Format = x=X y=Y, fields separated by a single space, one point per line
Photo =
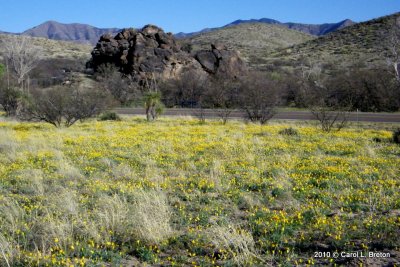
x=142 y=53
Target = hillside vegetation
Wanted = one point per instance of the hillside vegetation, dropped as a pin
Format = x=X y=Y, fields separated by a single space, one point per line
x=53 y=49
x=253 y=40
x=363 y=44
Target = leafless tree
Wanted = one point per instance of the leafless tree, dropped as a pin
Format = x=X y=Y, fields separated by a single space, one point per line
x=322 y=101
x=63 y=106
x=394 y=48
x=186 y=90
x=123 y=89
x=259 y=97
x=223 y=96
x=21 y=56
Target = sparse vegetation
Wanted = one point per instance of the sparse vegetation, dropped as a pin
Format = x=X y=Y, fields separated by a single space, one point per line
x=254 y=40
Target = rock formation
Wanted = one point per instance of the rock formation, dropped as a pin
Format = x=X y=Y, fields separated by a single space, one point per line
x=150 y=50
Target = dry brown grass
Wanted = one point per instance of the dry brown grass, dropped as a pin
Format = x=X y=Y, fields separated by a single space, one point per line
x=237 y=243
x=57 y=49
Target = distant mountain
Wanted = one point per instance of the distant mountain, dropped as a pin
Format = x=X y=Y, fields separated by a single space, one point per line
x=313 y=29
x=263 y=20
x=182 y=35
x=87 y=34
x=80 y=33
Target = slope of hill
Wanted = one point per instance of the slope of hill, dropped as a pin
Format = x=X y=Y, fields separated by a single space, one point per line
x=55 y=49
x=81 y=33
x=363 y=44
x=253 y=40
x=313 y=29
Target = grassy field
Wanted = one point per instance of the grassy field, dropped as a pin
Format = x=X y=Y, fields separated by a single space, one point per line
x=179 y=193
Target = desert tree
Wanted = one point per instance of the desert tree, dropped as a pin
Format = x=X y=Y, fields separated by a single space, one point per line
x=322 y=101
x=186 y=90
x=258 y=97
x=123 y=88
x=223 y=96
x=366 y=89
x=393 y=46
x=9 y=99
x=63 y=105
x=9 y=96
x=152 y=97
x=21 y=57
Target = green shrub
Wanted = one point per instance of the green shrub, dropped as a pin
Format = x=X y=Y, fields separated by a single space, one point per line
x=289 y=131
x=396 y=136
x=109 y=116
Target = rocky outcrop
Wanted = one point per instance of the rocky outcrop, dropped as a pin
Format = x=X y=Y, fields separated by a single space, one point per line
x=150 y=50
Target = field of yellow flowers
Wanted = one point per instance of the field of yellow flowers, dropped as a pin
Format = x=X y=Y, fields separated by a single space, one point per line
x=179 y=193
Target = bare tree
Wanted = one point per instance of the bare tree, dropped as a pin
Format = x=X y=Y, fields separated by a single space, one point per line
x=187 y=90
x=394 y=48
x=322 y=101
x=123 y=89
x=63 y=106
x=223 y=96
x=259 y=97
x=21 y=56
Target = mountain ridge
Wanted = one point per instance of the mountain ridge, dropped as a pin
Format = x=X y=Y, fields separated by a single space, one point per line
x=88 y=34
x=313 y=29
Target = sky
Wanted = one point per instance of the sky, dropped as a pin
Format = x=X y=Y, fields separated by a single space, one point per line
x=185 y=15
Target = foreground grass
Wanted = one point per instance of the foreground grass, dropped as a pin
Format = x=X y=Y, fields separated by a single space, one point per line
x=175 y=193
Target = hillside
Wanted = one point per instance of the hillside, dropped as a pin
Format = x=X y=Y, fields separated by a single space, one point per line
x=253 y=40
x=313 y=29
x=56 y=49
x=80 y=33
x=363 y=44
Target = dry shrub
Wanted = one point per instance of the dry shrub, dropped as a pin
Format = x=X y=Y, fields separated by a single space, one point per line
x=143 y=215
x=31 y=182
x=6 y=252
x=49 y=231
x=238 y=243
x=8 y=145
x=112 y=213
x=12 y=217
x=151 y=216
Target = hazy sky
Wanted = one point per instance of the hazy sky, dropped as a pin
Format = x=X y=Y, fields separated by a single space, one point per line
x=185 y=15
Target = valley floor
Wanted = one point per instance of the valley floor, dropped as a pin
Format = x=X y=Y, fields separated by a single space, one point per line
x=179 y=193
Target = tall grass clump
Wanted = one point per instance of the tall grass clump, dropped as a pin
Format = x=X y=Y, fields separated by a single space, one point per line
x=237 y=244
